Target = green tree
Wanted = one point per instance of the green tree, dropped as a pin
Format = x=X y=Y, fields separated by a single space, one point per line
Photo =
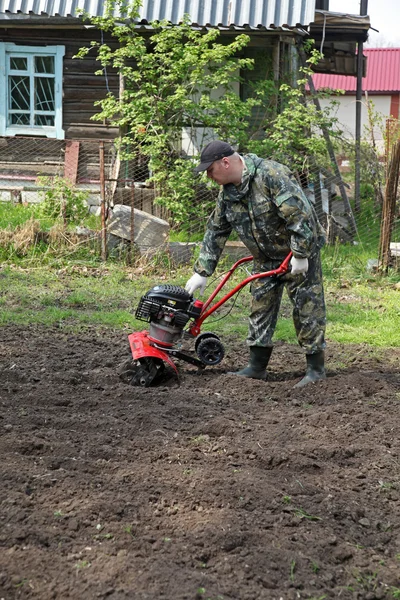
x=178 y=78
x=294 y=136
x=60 y=199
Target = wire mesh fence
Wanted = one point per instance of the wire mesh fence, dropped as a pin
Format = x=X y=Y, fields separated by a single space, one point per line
x=29 y=168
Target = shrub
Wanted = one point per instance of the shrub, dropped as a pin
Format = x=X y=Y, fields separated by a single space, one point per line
x=62 y=200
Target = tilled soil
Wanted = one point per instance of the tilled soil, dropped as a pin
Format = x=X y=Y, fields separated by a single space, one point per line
x=219 y=488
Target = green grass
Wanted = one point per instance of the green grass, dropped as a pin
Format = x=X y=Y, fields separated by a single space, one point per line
x=71 y=287
x=56 y=253
x=361 y=312
x=182 y=236
x=12 y=215
x=369 y=314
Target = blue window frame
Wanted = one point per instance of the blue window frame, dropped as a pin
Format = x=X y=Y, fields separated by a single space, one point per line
x=31 y=90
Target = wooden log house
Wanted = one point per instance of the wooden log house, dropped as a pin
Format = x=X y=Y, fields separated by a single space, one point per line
x=47 y=96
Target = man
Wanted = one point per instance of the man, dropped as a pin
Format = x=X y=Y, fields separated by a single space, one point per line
x=262 y=201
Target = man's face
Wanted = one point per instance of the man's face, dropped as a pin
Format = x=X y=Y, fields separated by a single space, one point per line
x=220 y=171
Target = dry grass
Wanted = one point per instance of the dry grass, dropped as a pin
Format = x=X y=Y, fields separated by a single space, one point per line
x=23 y=237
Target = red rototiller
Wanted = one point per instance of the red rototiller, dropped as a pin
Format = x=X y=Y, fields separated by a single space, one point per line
x=174 y=315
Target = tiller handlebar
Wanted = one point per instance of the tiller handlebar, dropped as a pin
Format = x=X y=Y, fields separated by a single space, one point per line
x=206 y=312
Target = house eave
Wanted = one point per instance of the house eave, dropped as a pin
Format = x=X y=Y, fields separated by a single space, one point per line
x=339 y=27
x=8 y=20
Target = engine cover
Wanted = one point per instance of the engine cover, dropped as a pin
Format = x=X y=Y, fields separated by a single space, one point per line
x=171 y=295
x=168 y=302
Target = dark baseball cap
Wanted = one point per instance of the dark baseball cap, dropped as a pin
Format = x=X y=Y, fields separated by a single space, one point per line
x=212 y=152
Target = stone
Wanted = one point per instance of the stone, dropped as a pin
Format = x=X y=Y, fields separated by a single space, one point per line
x=5 y=196
x=30 y=197
x=149 y=232
x=235 y=251
x=93 y=199
x=182 y=252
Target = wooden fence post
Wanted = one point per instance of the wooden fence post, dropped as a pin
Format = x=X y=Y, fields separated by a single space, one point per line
x=389 y=206
x=132 y=222
x=103 y=203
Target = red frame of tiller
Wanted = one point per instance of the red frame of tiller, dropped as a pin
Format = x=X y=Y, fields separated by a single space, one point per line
x=142 y=347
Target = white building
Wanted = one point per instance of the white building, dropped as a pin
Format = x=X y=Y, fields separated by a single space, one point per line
x=381 y=87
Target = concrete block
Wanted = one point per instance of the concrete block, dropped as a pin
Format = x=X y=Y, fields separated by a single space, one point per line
x=95 y=210
x=93 y=200
x=235 y=251
x=30 y=197
x=5 y=196
x=149 y=231
x=182 y=252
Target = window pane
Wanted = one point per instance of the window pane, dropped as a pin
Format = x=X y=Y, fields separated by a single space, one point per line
x=44 y=64
x=44 y=120
x=19 y=119
x=18 y=63
x=44 y=93
x=33 y=90
x=19 y=93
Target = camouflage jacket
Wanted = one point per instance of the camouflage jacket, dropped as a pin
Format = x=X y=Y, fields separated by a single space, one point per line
x=269 y=212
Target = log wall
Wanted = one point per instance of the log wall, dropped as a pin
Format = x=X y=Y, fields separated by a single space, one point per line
x=81 y=87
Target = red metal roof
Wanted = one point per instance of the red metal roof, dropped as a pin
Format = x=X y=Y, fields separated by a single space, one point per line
x=383 y=74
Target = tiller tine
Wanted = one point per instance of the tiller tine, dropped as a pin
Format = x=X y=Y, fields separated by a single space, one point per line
x=148 y=362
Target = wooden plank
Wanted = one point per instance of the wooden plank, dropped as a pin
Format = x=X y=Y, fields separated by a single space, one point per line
x=85 y=93
x=89 y=130
x=71 y=160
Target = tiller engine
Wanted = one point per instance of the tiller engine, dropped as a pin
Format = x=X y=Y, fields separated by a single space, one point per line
x=174 y=315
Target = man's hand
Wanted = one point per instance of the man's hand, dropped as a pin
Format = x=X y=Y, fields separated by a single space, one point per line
x=195 y=282
x=299 y=265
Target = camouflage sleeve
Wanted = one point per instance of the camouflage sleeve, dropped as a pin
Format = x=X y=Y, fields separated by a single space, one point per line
x=299 y=215
x=217 y=232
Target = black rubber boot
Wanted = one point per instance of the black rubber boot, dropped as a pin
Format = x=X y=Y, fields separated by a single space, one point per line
x=259 y=359
x=315 y=369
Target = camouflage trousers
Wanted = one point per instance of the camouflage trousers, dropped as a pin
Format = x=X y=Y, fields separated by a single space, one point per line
x=306 y=293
